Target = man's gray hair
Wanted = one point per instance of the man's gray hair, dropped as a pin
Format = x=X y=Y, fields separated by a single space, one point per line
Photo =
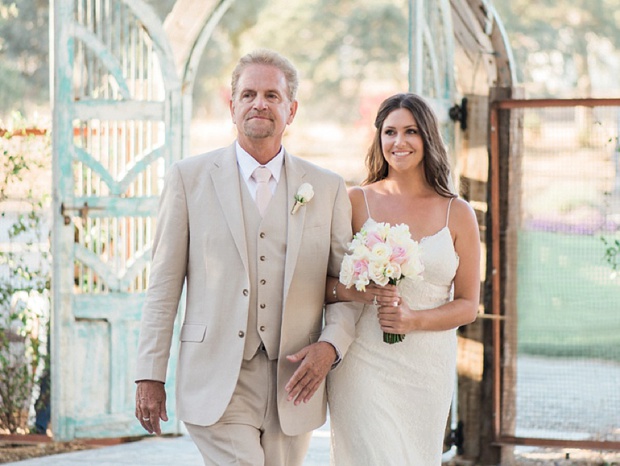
x=269 y=58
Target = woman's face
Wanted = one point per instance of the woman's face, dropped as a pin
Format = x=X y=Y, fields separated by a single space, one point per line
x=401 y=142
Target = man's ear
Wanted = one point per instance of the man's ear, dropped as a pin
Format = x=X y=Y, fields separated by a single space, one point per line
x=293 y=112
x=231 y=106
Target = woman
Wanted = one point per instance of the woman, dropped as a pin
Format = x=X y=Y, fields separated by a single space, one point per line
x=389 y=403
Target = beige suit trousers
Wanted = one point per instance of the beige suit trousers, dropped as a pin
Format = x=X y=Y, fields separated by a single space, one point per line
x=249 y=432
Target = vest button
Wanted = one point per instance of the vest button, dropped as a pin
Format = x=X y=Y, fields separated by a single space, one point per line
x=262 y=306
x=241 y=333
x=262 y=258
x=263 y=281
x=262 y=234
x=262 y=328
x=246 y=292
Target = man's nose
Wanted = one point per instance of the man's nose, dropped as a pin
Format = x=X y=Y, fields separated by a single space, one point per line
x=260 y=103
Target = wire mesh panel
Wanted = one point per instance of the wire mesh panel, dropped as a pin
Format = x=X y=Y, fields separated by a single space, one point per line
x=564 y=338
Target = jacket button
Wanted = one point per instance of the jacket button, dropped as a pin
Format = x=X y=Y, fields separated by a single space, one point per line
x=241 y=333
x=262 y=306
x=246 y=292
x=262 y=258
x=262 y=234
x=263 y=281
x=262 y=328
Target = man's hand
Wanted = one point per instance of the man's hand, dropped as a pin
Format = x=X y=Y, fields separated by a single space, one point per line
x=316 y=361
x=151 y=405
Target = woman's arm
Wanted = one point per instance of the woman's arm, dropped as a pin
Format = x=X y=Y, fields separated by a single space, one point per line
x=464 y=308
x=336 y=291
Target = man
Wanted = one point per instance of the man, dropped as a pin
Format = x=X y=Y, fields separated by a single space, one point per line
x=254 y=351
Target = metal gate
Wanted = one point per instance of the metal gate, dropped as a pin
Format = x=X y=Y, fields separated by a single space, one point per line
x=555 y=219
x=121 y=117
x=117 y=127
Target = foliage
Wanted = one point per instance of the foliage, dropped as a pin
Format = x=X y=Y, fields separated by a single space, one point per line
x=24 y=280
x=24 y=53
x=338 y=47
x=612 y=252
x=563 y=44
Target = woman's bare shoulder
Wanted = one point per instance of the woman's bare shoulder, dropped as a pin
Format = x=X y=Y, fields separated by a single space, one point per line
x=462 y=215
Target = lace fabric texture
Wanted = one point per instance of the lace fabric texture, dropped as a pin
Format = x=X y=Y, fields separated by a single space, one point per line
x=389 y=404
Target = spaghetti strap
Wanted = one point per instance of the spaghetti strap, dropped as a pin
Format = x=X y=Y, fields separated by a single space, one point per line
x=448 y=214
x=365 y=201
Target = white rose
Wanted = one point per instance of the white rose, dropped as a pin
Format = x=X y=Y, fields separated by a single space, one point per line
x=376 y=272
x=413 y=268
x=305 y=193
x=381 y=252
x=346 y=271
x=400 y=235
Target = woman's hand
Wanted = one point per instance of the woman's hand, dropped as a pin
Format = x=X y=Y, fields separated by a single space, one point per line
x=374 y=294
x=396 y=317
x=381 y=295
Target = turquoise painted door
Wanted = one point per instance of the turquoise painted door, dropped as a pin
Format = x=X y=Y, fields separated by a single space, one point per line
x=117 y=127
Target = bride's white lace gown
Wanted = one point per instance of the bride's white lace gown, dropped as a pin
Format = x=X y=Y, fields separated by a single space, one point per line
x=389 y=404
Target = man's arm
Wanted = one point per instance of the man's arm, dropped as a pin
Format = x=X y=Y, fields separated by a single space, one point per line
x=317 y=359
x=162 y=301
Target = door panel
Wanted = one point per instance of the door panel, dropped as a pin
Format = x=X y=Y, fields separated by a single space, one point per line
x=116 y=130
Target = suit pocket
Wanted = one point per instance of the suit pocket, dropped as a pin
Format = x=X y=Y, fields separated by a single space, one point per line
x=193 y=332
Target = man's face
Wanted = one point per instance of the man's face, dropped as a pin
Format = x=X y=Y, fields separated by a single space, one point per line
x=261 y=107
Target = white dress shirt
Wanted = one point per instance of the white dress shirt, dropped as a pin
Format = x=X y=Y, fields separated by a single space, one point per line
x=247 y=165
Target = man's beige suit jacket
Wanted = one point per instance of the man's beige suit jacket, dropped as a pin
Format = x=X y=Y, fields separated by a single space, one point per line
x=200 y=242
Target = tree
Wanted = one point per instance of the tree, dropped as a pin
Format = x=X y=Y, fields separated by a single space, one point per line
x=337 y=46
x=557 y=42
x=24 y=52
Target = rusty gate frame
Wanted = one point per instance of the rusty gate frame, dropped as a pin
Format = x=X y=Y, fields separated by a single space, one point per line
x=498 y=243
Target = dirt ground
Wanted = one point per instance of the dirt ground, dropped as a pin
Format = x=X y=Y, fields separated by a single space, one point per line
x=11 y=450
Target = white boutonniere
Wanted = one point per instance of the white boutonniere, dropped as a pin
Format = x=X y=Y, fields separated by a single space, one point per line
x=304 y=194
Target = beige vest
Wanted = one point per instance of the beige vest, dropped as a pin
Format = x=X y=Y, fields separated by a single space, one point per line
x=266 y=243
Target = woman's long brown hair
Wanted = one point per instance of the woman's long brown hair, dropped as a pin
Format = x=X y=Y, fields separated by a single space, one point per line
x=435 y=160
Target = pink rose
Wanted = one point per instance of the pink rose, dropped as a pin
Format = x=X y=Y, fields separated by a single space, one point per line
x=399 y=255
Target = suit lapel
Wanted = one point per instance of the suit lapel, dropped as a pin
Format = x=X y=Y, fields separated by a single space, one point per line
x=225 y=177
x=294 y=177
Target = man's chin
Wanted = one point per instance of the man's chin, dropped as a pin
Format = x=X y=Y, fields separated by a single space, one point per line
x=258 y=133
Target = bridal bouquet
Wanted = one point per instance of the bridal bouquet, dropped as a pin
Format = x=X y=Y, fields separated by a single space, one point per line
x=382 y=254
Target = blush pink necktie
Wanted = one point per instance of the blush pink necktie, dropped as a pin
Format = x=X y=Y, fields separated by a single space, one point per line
x=262 y=176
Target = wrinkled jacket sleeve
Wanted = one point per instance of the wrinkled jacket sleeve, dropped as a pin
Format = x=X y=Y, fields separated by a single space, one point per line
x=340 y=318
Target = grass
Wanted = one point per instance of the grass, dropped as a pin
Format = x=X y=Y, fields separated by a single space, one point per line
x=568 y=298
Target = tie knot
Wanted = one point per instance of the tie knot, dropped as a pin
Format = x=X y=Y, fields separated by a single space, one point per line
x=261 y=174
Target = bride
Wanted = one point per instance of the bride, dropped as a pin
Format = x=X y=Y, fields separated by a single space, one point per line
x=389 y=403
